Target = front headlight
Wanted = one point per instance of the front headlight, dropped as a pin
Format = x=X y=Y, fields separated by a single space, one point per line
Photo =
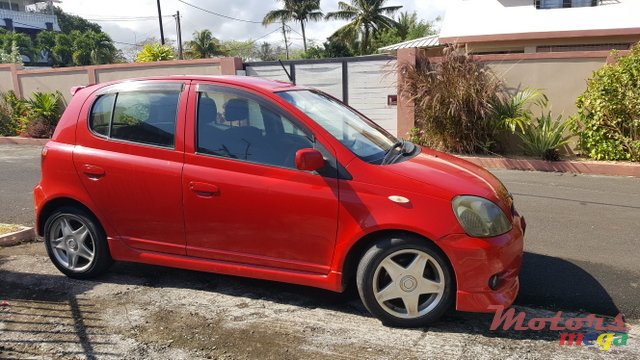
x=480 y=217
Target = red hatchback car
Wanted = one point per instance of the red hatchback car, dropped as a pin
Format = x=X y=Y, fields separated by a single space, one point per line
x=264 y=179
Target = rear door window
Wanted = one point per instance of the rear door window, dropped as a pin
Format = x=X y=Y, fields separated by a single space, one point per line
x=142 y=114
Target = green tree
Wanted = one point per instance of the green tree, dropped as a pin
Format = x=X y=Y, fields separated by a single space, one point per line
x=62 y=50
x=81 y=42
x=332 y=48
x=155 y=52
x=203 y=45
x=301 y=11
x=409 y=27
x=268 y=52
x=92 y=48
x=245 y=49
x=11 y=57
x=366 y=19
x=69 y=23
x=9 y=39
x=45 y=42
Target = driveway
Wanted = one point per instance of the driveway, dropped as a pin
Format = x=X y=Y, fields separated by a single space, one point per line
x=581 y=244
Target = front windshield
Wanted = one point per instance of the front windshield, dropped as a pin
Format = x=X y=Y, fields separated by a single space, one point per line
x=362 y=136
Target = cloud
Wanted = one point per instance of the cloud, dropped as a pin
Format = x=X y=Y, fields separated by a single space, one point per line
x=125 y=31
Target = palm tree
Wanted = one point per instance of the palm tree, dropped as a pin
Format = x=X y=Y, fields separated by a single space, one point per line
x=92 y=48
x=366 y=17
x=203 y=45
x=301 y=11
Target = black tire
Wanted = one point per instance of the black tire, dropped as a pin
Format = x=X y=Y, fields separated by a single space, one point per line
x=399 y=248
x=76 y=217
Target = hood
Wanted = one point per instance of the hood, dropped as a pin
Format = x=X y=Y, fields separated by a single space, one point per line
x=448 y=176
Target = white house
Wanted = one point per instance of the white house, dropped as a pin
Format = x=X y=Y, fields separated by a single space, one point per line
x=531 y=26
x=15 y=15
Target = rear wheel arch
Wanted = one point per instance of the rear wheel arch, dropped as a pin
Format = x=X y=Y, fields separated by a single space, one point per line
x=54 y=204
x=360 y=247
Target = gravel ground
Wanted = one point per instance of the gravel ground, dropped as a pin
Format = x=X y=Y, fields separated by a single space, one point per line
x=140 y=312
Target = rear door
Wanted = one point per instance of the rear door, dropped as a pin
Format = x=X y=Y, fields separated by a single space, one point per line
x=129 y=155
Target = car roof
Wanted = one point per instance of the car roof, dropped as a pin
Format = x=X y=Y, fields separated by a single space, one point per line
x=246 y=81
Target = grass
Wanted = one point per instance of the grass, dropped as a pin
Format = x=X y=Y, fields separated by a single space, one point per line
x=8 y=228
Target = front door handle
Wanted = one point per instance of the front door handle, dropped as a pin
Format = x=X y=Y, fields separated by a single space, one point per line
x=93 y=171
x=204 y=189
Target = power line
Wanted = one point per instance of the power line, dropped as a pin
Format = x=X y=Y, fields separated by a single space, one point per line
x=218 y=14
x=122 y=20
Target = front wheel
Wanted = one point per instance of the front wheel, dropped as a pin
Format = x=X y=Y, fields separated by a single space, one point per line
x=76 y=243
x=405 y=281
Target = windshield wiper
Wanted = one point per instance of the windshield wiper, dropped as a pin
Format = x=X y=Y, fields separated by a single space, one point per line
x=398 y=144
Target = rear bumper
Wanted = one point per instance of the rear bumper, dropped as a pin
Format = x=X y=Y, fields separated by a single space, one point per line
x=476 y=260
x=38 y=199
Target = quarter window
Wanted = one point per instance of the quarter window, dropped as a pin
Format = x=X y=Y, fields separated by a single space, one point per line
x=101 y=114
x=237 y=126
x=141 y=116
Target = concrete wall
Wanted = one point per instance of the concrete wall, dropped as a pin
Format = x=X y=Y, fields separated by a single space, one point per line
x=125 y=72
x=28 y=81
x=6 y=77
x=562 y=80
x=51 y=81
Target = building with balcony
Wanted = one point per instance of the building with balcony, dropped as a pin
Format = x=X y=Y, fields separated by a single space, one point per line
x=22 y=16
x=535 y=26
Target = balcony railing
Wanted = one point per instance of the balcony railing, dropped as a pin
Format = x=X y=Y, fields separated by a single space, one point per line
x=28 y=20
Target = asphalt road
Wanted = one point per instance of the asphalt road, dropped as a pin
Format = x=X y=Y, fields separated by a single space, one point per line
x=582 y=242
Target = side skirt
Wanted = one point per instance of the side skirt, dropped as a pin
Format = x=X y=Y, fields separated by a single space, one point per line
x=122 y=252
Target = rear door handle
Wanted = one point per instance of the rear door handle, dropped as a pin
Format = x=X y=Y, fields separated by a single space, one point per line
x=204 y=189
x=93 y=171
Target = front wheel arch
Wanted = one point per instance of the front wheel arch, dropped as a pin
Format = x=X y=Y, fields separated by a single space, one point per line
x=360 y=247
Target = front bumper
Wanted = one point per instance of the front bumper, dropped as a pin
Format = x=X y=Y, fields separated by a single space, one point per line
x=476 y=260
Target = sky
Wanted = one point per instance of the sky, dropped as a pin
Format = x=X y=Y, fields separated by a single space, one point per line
x=121 y=19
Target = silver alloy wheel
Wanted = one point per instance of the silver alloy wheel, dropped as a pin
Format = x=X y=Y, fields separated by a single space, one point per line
x=71 y=243
x=408 y=283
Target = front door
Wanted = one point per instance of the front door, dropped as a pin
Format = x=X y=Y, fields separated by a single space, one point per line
x=244 y=200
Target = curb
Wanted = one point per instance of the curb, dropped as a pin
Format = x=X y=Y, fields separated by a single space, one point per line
x=24 y=234
x=574 y=167
x=19 y=140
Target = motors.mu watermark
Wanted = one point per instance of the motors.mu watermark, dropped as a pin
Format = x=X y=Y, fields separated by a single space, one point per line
x=590 y=330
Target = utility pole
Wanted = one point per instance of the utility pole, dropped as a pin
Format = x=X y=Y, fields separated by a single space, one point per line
x=286 y=43
x=160 y=20
x=179 y=32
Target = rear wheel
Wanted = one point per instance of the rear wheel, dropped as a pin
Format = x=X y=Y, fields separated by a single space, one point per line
x=405 y=281
x=76 y=243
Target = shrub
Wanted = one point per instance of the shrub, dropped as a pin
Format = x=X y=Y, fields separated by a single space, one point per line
x=155 y=52
x=40 y=129
x=545 y=137
x=7 y=126
x=513 y=112
x=13 y=115
x=44 y=110
x=453 y=102
x=608 y=120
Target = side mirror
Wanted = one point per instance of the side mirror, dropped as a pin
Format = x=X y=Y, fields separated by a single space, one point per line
x=309 y=159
